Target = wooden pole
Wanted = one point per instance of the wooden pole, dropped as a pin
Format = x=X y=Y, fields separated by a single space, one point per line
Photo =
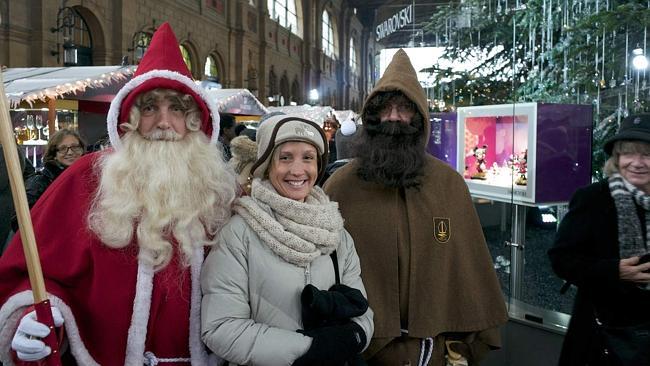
x=8 y=141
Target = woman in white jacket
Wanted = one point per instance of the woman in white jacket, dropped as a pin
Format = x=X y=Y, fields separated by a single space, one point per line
x=278 y=250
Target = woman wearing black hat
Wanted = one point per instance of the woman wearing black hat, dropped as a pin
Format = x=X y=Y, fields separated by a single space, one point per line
x=601 y=247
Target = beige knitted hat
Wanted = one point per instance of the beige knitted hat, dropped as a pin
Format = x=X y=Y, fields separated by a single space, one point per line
x=283 y=128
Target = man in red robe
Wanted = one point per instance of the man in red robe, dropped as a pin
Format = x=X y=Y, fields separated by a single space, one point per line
x=122 y=233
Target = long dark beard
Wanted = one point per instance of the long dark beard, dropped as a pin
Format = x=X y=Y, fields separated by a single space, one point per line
x=392 y=153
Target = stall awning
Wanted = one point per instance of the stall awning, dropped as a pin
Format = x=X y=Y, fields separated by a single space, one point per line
x=92 y=83
x=237 y=101
x=317 y=114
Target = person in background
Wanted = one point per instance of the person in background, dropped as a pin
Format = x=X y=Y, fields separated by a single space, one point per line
x=425 y=263
x=330 y=126
x=226 y=133
x=122 y=233
x=244 y=154
x=239 y=128
x=62 y=150
x=6 y=198
x=281 y=259
x=599 y=245
x=250 y=132
x=345 y=141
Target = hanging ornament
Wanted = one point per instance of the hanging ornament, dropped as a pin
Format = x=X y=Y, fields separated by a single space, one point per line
x=602 y=61
x=627 y=64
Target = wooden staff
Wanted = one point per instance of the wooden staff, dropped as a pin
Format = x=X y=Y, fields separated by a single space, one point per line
x=41 y=302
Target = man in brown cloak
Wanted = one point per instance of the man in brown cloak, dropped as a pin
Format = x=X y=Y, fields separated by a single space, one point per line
x=424 y=260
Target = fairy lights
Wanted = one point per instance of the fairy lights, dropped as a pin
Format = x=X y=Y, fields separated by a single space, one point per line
x=67 y=87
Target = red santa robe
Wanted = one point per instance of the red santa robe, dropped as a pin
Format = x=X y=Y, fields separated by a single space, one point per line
x=115 y=307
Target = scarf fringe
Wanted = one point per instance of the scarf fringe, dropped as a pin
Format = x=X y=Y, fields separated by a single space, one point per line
x=631 y=241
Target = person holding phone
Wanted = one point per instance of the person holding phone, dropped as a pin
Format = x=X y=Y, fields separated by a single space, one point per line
x=602 y=247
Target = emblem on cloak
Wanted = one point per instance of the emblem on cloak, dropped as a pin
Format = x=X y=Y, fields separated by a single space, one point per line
x=441 y=229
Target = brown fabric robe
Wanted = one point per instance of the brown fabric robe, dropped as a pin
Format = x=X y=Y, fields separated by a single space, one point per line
x=450 y=286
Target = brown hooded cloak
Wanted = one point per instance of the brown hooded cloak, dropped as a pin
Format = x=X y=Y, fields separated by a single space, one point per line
x=423 y=256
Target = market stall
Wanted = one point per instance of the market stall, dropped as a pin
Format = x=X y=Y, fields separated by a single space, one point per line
x=45 y=99
x=317 y=114
x=239 y=102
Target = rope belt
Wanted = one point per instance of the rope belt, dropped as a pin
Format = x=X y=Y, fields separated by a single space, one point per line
x=426 y=349
x=151 y=360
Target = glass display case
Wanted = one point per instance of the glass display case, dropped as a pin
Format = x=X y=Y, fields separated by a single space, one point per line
x=527 y=153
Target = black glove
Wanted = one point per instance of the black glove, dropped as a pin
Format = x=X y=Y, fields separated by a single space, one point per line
x=335 y=306
x=333 y=346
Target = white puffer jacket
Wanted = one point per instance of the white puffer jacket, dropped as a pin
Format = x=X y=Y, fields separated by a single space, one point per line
x=251 y=297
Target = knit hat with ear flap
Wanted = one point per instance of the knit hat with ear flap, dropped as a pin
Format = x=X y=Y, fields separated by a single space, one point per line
x=284 y=128
x=162 y=66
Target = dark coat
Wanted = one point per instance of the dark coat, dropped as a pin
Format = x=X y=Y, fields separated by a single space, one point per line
x=38 y=183
x=6 y=198
x=586 y=254
x=453 y=271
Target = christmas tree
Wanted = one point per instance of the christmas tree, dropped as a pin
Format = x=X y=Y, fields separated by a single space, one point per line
x=553 y=51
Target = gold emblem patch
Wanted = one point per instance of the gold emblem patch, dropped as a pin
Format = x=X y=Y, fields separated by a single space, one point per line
x=441 y=229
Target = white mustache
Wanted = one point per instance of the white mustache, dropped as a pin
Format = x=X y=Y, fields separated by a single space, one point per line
x=162 y=135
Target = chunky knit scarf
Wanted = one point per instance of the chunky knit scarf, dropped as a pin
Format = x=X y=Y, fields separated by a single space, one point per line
x=298 y=232
x=626 y=197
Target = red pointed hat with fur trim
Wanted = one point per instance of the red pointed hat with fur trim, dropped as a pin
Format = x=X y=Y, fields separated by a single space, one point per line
x=161 y=67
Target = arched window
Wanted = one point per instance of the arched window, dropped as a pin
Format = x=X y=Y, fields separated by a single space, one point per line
x=353 y=56
x=77 y=41
x=296 y=95
x=186 y=57
x=273 y=82
x=284 y=12
x=284 y=89
x=211 y=71
x=141 y=41
x=328 y=35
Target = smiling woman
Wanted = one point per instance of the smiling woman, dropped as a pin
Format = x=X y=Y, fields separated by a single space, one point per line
x=285 y=248
x=598 y=248
x=294 y=168
x=62 y=150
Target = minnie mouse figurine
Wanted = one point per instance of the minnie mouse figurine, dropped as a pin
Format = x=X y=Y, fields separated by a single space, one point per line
x=523 y=169
x=481 y=169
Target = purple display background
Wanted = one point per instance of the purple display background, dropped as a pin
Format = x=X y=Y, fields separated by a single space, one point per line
x=563 y=150
x=443 y=142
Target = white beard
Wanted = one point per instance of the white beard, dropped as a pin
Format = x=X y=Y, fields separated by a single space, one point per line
x=162 y=190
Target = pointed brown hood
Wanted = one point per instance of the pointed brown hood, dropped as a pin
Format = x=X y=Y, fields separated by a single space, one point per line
x=400 y=76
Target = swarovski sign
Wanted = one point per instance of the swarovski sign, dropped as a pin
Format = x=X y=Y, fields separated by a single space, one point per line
x=398 y=21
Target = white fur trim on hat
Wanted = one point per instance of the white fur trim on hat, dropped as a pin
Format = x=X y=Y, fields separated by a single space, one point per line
x=116 y=104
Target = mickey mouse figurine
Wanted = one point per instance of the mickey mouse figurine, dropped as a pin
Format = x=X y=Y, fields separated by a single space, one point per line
x=523 y=169
x=481 y=169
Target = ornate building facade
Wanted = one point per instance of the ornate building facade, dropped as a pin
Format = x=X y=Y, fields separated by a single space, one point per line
x=278 y=49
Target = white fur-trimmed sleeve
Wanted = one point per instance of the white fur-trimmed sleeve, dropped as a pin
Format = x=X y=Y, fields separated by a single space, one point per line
x=11 y=313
